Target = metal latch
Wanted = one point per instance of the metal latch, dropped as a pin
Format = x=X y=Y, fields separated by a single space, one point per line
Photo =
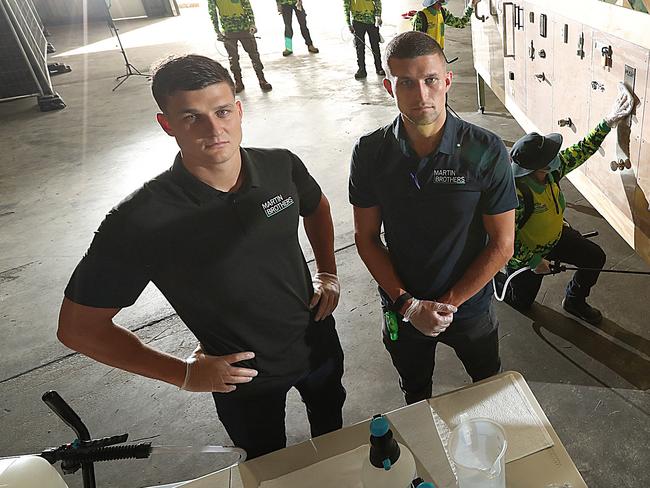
x=581 y=45
x=629 y=80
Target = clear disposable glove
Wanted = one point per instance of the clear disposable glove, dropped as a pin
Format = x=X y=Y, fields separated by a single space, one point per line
x=543 y=268
x=622 y=106
x=204 y=373
x=378 y=21
x=299 y=5
x=326 y=294
x=429 y=317
x=253 y=30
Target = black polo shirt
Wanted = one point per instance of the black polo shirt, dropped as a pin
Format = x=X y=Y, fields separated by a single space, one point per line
x=230 y=264
x=432 y=207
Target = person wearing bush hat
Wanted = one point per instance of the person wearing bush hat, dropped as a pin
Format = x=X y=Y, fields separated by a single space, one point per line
x=541 y=233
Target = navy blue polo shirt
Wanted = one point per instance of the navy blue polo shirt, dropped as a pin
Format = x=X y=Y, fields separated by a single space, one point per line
x=230 y=264
x=432 y=207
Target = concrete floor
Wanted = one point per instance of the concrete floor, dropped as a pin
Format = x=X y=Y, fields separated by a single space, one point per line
x=62 y=171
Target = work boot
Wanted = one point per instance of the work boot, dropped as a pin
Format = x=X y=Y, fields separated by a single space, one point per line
x=265 y=85
x=360 y=74
x=312 y=49
x=239 y=85
x=288 y=47
x=380 y=72
x=581 y=309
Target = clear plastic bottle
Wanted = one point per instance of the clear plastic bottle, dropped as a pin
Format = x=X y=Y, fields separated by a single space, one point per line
x=390 y=464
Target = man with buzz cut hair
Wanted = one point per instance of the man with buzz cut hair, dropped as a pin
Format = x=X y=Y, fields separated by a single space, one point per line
x=217 y=235
x=443 y=190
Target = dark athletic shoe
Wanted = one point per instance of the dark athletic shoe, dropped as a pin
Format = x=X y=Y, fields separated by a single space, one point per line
x=582 y=310
x=360 y=74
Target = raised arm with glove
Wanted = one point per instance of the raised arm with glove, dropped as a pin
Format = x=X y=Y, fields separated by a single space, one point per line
x=622 y=106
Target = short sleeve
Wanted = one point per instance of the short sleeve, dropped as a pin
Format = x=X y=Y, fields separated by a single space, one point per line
x=111 y=274
x=360 y=189
x=499 y=194
x=309 y=190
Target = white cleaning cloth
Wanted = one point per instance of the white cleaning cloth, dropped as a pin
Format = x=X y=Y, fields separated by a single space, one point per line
x=505 y=403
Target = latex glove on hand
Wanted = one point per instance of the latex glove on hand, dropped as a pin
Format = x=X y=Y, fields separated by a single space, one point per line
x=378 y=21
x=299 y=5
x=253 y=30
x=543 y=268
x=622 y=107
x=206 y=373
x=429 y=317
x=326 y=294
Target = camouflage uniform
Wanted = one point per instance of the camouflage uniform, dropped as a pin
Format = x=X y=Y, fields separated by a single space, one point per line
x=432 y=21
x=361 y=15
x=237 y=20
x=287 y=9
x=545 y=235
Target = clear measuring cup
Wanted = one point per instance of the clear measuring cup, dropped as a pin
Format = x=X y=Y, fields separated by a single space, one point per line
x=478 y=449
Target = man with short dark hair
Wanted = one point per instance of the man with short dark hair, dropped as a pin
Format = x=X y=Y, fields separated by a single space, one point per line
x=217 y=235
x=444 y=192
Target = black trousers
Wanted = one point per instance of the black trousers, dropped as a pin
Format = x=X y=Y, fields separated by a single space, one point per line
x=572 y=248
x=249 y=44
x=475 y=341
x=301 y=15
x=360 y=30
x=256 y=422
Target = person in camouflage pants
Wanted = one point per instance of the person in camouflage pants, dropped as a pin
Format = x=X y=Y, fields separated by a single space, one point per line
x=238 y=23
x=364 y=17
x=541 y=234
x=286 y=8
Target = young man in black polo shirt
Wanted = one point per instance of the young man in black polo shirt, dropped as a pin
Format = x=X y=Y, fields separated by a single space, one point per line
x=217 y=234
x=444 y=192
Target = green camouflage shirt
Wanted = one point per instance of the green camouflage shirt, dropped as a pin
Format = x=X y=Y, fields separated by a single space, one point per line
x=235 y=15
x=286 y=2
x=450 y=19
x=543 y=229
x=354 y=10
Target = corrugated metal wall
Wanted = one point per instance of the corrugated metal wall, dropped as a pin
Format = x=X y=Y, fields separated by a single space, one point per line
x=71 y=11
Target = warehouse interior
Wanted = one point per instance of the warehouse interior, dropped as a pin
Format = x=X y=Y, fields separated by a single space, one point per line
x=63 y=169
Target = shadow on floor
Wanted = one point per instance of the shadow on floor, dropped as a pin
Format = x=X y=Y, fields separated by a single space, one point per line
x=620 y=350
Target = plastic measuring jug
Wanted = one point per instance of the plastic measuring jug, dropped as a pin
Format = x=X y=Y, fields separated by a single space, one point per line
x=478 y=448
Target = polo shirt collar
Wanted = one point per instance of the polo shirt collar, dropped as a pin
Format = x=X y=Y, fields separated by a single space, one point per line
x=447 y=143
x=202 y=191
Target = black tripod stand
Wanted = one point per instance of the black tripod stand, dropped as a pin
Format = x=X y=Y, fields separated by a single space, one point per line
x=130 y=69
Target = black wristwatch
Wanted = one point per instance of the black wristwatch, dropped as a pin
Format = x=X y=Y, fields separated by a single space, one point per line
x=399 y=302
